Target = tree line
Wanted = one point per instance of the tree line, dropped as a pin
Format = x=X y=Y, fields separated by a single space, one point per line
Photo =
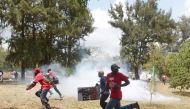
x=45 y=31
x=151 y=37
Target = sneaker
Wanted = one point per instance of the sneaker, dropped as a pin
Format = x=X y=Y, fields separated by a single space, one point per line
x=61 y=97
x=136 y=105
x=50 y=94
x=47 y=106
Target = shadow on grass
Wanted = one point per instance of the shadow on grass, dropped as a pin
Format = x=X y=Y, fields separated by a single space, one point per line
x=9 y=83
x=55 y=108
x=187 y=94
x=10 y=108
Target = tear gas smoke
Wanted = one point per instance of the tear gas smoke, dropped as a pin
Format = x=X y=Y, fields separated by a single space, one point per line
x=105 y=39
x=86 y=76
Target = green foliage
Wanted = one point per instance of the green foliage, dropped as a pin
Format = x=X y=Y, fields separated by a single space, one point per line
x=3 y=54
x=156 y=59
x=184 y=27
x=183 y=33
x=169 y=62
x=144 y=23
x=180 y=69
x=45 y=31
x=83 y=2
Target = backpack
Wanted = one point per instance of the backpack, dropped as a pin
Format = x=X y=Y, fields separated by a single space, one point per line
x=55 y=80
x=51 y=79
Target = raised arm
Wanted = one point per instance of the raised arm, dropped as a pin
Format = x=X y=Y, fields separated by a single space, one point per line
x=31 y=85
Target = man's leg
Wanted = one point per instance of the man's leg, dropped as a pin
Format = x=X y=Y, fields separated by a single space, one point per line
x=38 y=93
x=103 y=98
x=44 y=99
x=113 y=103
x=56 y=89
x=164 y=82
x=50 y=92
x=118 y=105
x=131 y=106
x=1 y=78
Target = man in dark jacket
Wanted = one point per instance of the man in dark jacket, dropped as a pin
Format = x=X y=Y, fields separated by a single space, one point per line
x=104 y=92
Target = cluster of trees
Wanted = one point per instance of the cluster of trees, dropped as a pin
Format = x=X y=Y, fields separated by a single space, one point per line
x=44 y=31
x=142 y=24
x=150 y=37
x=178 y=67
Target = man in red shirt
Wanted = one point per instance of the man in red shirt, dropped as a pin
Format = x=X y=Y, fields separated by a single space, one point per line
x=114 y=83
x=164 y=78
x=45 y=86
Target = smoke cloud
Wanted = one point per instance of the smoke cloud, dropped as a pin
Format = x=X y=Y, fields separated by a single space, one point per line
x=105 y=41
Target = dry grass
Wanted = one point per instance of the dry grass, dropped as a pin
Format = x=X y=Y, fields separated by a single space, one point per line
x=14 y=96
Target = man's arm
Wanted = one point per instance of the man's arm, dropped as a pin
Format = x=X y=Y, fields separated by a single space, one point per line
x=106 y=88
x=126 y=82
x=125 y=79
x=30 y=86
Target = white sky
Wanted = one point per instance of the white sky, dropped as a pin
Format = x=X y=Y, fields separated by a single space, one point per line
x=107 y=37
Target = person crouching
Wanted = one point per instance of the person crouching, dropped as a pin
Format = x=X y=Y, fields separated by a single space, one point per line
x=45 y=87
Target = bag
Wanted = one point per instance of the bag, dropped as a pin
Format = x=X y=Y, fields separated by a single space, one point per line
x=55 y=80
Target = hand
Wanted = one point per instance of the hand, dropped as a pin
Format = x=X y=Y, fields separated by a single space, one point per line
x=28 y=87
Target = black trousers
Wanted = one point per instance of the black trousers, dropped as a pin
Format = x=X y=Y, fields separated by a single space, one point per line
x=103 y=99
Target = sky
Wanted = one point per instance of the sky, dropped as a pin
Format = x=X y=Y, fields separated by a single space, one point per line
x=179 y=7
x=107 y=37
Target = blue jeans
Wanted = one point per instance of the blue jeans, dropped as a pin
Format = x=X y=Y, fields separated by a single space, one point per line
x=115 y=103
x=42 y=94
x=56 y=89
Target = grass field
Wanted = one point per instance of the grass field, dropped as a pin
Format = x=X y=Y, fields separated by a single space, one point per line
x=14 y=96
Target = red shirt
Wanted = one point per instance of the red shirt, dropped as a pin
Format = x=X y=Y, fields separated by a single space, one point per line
x=44 y=84
x=52 y=74
x=113 y=81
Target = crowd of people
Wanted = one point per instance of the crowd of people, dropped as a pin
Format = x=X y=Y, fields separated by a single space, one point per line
x=110 y=86
x=9 y=76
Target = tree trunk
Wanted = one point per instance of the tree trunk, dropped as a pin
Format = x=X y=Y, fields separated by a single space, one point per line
x=22 y=71
x=69 y=55
x=136 y=68
x=22 y=48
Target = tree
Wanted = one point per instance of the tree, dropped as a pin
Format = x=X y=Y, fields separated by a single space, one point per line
x=77 y=25
x=184 y=27
x=180 y=69
x=3 y=24
x=3 y=54
x=144 y=23
x=157 y=59
x=45 y=31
